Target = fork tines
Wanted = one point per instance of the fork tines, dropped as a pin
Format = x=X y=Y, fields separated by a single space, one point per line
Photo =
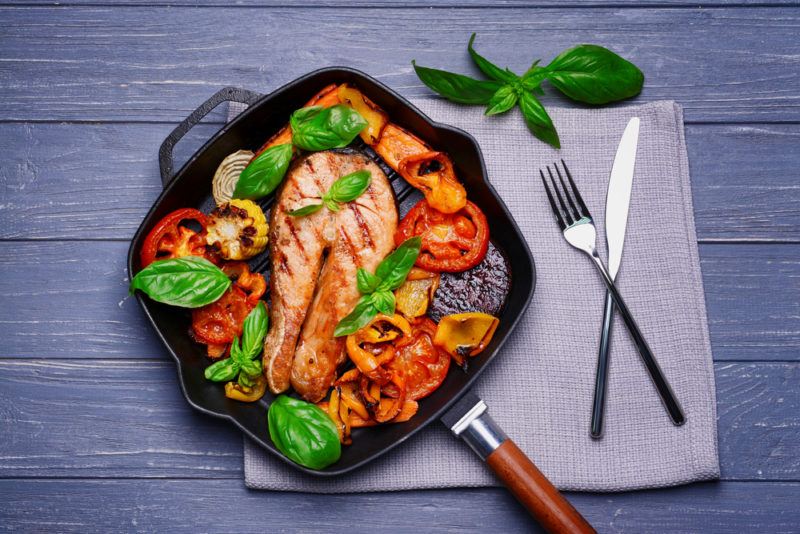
x=573 y=210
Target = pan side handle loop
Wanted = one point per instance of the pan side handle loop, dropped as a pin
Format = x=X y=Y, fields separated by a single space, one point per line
x=166 y=159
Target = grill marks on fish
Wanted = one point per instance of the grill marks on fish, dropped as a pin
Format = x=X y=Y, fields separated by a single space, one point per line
x=314 y=264
x=361 y=224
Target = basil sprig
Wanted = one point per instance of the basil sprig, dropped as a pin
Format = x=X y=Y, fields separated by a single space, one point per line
x=188 y=282
x=586 y=73
x=264 y=173
x=316 y=128
x=243 y=352
x=377 y=289
x=303 y=432
x=345 y=189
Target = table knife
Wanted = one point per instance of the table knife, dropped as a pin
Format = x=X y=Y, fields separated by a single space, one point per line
x=617 y=203
x=469 y=420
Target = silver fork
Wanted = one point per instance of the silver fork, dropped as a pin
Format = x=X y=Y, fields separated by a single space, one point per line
x=579 y=231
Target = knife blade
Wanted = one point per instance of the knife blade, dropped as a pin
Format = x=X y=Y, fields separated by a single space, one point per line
x=618 y=200
x=469 y=420
x=619 y=194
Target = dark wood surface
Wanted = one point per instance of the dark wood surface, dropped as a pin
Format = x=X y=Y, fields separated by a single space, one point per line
x=94 y=433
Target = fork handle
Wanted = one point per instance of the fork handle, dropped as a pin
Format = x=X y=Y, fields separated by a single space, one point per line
x=601 y=378
x=659 y=380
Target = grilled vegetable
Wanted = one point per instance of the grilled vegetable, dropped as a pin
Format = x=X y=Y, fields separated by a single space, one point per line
x=433 y=174
x=170 y=239
x=412 y=298
x=423 y=365
x=375 y=116
x=236 y=391
x=370 y=348
x=227 y=176
x=429 y=171
x=238 y=230
x=397 y=144
x=465 y=334
x=450 y=242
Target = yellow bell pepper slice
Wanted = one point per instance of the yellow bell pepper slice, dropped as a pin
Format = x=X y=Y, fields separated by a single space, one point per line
x=413 y=297
x=246 y=394
x=465 y=334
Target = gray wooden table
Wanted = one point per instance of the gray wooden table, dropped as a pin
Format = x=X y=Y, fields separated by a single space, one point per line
x=94 y=433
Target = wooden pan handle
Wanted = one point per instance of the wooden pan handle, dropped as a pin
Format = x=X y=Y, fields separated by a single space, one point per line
x=534 y=491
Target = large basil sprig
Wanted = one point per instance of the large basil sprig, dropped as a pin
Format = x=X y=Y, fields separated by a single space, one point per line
x=317 y=128
x=594 y=75
x=313 y=128
x=586 y=73
x=264 y=173
x=376 y=289
x=188 y=282
x=345 y=189
x=242 y=360
x=303 y=432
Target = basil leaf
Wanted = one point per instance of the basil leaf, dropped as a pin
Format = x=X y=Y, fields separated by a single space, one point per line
x=362 y=314
x=264 y=173
x=252 y=368
x=331 y=205
x=490 y=69
x=245 y=380
x=395 y=267
x=594 y=75
x=367 y=282
x=456 y=87
x=305 y=210
x=504 y=99
x=384 y=301
x=188 y=282
x=317 y=128
x=222 y=371
x=538 y=120
x=236 y=351
x=303 y=432
x=349 y=187
x=254 y=329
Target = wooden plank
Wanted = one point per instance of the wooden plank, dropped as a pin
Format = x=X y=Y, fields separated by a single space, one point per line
x=70 y=300
x=97 y=181
x=44 y=401
x=190 y=505
x=409 y=3
x=752 y=300
x=102 y=63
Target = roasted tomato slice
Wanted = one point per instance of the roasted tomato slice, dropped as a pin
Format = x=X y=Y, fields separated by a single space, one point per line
x=451 y=242
x=423 y=364
x=219 y=322
x=169 y=239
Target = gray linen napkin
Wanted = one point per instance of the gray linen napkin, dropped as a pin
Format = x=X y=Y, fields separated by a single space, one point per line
x=540 y=388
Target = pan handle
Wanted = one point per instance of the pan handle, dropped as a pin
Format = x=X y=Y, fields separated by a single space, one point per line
x=518 y=473
x=227 y=94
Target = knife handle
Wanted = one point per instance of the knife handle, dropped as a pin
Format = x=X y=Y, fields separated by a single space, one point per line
x=517 y=472
x=537 y=494
x=601 y=379
x=656 y=374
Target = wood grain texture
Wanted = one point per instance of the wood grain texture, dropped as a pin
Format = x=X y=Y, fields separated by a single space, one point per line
x=158 y=63
x=97 y=181
x=189 y=506
x=82 y=310
x=109 y=418
x=408 y=3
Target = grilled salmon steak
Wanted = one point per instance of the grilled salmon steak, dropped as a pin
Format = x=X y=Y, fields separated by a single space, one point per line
x=314 y=263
